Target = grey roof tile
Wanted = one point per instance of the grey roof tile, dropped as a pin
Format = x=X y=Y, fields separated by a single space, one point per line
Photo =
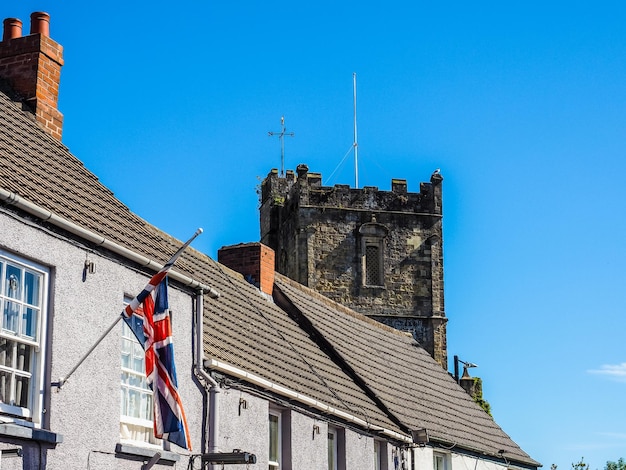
x=404 y=376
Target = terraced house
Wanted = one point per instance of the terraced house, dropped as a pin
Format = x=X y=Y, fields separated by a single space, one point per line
x=271 y=372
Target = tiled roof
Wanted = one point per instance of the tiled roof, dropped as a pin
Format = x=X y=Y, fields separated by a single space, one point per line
x=242 y=328
x=248 y=331
x=403 y=376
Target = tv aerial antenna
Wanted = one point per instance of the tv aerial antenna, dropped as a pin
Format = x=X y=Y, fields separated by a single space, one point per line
x=355 y=143
x=281 y=135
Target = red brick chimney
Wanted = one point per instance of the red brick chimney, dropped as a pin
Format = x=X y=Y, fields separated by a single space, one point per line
x=254 y=260
x=31 y=65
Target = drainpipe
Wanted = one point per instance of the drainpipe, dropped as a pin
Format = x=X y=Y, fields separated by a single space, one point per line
x=213 y=387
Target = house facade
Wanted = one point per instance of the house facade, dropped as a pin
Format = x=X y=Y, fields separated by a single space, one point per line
x=268 y=369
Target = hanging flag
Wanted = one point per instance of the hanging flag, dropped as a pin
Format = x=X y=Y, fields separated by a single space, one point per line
x=153 y=330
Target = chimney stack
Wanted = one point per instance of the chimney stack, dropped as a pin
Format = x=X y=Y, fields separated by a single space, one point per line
x=31 y=65
x=254 y=260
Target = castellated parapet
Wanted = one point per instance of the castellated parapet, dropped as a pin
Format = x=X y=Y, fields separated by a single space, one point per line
x=377 y=252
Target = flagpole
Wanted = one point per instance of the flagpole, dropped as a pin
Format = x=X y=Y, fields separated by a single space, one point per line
x=158 y=276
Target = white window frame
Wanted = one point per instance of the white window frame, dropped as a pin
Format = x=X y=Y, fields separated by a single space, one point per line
x=380 y=455
x=32 y=414
x=275 y=464
x=129 y=423
x=441 y=461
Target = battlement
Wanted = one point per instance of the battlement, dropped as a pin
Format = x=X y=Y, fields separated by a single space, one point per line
x=305 y=188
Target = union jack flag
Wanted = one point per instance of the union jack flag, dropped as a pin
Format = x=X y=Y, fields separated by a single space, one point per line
x=153 y=330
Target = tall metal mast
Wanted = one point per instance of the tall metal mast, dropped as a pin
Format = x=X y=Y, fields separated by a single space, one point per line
x=355 y=144
x=281 y=135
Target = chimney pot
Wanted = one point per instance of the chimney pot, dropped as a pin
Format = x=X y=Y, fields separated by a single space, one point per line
x=12 y=29
x=40 y=23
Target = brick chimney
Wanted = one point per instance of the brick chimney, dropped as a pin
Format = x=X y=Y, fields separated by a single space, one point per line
x=254 y=260
x=31 y=65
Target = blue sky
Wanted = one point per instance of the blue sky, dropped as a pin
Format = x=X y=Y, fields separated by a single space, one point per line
x=522 y=106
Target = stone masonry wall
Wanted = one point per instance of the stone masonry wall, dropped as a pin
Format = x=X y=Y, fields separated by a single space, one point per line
x=317 y=233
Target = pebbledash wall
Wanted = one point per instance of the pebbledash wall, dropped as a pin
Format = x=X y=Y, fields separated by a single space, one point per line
x=247 y=429
x=85 y=413
x=377 y=252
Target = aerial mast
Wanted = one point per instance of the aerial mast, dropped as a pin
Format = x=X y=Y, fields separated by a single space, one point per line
x=355 y=143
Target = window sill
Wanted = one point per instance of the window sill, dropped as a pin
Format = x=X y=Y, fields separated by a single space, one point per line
x=30 y=434
x=146 y=453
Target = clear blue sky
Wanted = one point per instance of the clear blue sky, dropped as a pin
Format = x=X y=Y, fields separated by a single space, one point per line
x=521 y=104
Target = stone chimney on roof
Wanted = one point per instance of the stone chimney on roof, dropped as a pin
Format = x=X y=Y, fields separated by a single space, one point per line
x=254 y=260
x=31 y=65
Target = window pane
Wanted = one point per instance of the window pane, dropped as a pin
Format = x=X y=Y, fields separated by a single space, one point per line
x=125 y=358
x=13 y=280
x=133 y=403
x=372 y=266
x=21 y=391
x=6 y=352
x=148 y=408
x=23 y=357
x=29 y=322
x=274 y=438
x=440 y=462
x=331 y=451
x=5 y=387
x=134 y=381
x=9 y=318
x=31 y=288
x=138 y=359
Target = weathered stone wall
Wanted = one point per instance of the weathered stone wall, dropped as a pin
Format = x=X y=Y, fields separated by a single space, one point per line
x=318 y=234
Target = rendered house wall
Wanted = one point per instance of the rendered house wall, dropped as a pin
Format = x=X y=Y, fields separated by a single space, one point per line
x=86 y=411
x=424 y=458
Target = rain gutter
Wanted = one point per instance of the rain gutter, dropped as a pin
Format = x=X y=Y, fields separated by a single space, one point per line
x=14 y=199
x=301 y=398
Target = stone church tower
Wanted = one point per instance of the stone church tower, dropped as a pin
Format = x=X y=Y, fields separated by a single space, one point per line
x=377 y=252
